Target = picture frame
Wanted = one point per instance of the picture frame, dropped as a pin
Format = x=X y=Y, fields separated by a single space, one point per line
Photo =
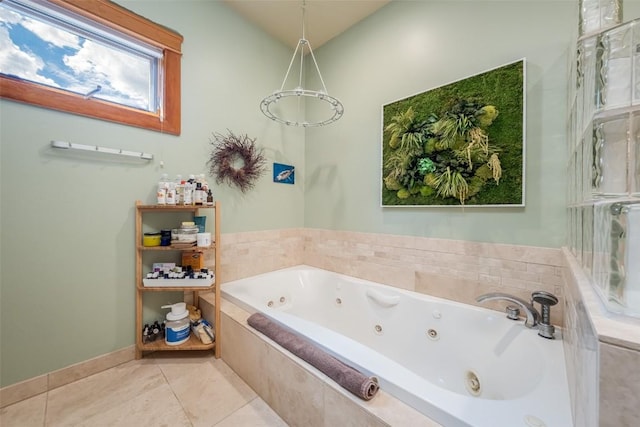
x=284 y=174
x=457 y=145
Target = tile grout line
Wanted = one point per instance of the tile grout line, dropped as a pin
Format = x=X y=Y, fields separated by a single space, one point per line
x=46 y=407
x=184 y=411
x=46 y=401
x=245 y=404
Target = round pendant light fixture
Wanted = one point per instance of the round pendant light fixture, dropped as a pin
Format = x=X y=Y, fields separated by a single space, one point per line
x=331 y=108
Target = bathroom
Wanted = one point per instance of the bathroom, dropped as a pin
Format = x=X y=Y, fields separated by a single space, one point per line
x=67 y=225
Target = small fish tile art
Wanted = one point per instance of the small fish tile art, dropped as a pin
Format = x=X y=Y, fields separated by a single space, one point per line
x=284 y=174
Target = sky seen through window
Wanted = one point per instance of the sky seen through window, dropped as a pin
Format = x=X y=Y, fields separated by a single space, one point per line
x=43 y=53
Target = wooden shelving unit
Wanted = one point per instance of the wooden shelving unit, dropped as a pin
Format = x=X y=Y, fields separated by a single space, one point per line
x=193 y=343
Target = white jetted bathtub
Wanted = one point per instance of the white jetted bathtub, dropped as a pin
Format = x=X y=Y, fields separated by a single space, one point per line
x=458 y=364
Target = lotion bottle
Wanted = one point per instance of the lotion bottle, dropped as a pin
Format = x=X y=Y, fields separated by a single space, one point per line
x=162 y=189
x=177 y=326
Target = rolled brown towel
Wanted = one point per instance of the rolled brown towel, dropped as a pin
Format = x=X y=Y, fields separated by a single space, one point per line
x=346 y=376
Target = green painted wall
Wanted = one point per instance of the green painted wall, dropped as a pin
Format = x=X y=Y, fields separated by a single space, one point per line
x=408 y=47
x=67 y=220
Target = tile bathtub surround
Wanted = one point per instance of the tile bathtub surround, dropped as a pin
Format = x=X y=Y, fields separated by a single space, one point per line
x=622 y=331
x=605 y=382
x=619 y=386
x=452 y=269
x=297 y=391
x=581 y=356
x=250 y=253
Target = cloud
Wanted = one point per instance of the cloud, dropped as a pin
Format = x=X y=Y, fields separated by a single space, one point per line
x=9 y=17
x=120 y=74
x=124 y=77
x=14 y=61
x=50 y=34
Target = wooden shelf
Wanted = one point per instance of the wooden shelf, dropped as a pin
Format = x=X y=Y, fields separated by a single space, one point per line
x=173 y=248
x=178 y=288
x=193 y=343
x=152 y=252
x=170 y=208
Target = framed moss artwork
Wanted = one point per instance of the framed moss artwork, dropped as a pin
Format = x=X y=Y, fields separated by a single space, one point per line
x=461 y=144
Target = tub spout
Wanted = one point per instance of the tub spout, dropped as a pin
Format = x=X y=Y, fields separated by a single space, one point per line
x=529 y=309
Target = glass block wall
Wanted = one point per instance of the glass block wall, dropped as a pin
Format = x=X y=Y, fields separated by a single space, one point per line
x=604 y=154
x=596 y=15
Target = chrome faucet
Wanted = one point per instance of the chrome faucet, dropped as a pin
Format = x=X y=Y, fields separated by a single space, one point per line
x=546 y=300
x=529 y=309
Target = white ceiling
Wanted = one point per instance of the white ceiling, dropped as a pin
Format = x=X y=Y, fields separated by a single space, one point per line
x=324 y=19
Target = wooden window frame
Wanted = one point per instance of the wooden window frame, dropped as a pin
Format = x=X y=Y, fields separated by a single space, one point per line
x=167 y=120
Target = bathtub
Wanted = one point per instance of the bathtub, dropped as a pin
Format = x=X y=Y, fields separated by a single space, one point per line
x=459 y=365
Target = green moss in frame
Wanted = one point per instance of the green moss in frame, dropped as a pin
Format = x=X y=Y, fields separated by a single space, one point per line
x=451 y=118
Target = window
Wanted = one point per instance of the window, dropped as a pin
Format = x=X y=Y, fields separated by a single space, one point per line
x=92 y=58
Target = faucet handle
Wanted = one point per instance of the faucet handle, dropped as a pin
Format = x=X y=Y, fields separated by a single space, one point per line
x=546 y=300
x=513 y=312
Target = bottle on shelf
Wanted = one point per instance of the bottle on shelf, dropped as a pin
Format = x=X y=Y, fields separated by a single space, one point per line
x=205 y=184
x=162 y=189
x=197 y=199
x=177 y=326
x=188 y=190
x=209 y=198
x=171 y=193
x=179 y=183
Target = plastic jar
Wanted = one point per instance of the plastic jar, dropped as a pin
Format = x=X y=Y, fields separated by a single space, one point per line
x=151 y=239
x=165 y=237
x=188 y=233
x=177 y=327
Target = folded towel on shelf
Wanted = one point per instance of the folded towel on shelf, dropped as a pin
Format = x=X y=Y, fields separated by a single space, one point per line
x=349 y=378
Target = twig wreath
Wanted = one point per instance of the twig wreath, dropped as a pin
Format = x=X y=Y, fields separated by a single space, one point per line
x=235 y=160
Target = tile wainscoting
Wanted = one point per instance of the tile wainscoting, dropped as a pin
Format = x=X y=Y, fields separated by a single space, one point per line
x=602 y=353
x=452 y=269
x=249 y=253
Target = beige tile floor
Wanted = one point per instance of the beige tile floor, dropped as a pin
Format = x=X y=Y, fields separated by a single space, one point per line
x=167 y=389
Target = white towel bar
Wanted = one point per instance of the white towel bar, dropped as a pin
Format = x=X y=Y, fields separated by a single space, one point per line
x=104 y=150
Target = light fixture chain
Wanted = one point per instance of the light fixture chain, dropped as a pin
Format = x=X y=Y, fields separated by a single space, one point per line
x=304 y=3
